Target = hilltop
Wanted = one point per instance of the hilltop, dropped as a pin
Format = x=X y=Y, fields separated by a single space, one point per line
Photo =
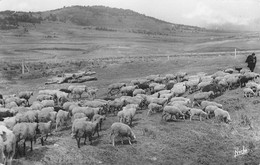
x=97 y=17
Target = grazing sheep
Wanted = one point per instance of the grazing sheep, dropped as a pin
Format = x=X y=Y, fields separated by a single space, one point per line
x=186 y=100
x=92 y=92
x=159 y=87
x=9 y=144
x=127 y=90
x=78 y=91
x=45 y=114
x=10 y=122
x=138 y=91
x=153 y=107
x=78 y=116
x=88 y=111
x=171 y=110
x=2 y=157
x=84 y=129
x=36 y=105
x=206 y=103
x=99 y=119
x=121 y=130
x=198 y=112
x=44 y=129
x=25 y=95
x=220 y=113
x=27 y=117
x=202 y=96
x=210 y=110
x=11 y=105
x=179 y=89
x=129 y=114
x=115 y=105
x=48 y=103
x=25 y=131
x=115 y=87
x=248 y=92
x=61 y=118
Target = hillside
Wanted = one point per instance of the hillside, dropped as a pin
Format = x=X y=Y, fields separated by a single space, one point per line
x=97 y=17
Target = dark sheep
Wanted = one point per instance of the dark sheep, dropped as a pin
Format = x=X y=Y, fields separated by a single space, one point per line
x=243 y=80
x=216 y=88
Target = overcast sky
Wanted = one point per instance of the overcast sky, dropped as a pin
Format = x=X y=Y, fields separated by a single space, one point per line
x=192 y=12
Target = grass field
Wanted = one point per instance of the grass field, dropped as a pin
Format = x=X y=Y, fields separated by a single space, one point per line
x=121 y=57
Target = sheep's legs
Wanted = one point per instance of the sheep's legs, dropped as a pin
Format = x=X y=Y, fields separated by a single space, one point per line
x=24 y=147
x=129 y=139
x=31 y=145
x=78 y=141
x=42 y=141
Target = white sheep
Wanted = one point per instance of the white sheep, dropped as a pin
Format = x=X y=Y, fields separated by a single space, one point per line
x=99 y=119
x=127 y=89
x=36 y=105
x=10 y=122
x=210 y=110
x=248 y=92
x=25 y=131
x=153 y=107
x=202 y=96
x=84 y=129
x=9 y=144
x=28 y=117
x=42 y=97
x=128 y=115
x=179 y=89
x=92 y=92
x=44 y=129
x=138 y=91
x=26 y=95
x=78 y=91
x=78 y=116
x=198 y=112
x=45 y=114
x=121 y=130
x=48 y=103
x=172 y=111
x=220 y=113
x=61 y=118
x=206 y=103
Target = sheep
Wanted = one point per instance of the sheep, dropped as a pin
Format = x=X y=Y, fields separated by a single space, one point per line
x=66 y=105
x=116 y=104
x=88 y=111
x=127 y=90
x=186 y=100
x=159 y=87
x=121 y=130
x=61 y=97
x=160 y=101
x=183 y=108
x=180 y=76
x=99 y=119
x=78 y=91
x=115 y=86
x=29 y=117
x=92 y=92
x=248 y=92
x=11 y=105
x=10 y=122
x=5 y=112
x=202 y=96
x=83 y=129
x=36 y=105
x=216 y=88
x=206 y=103
x=9 y=144
x=199 y=112
x=222 y=114
x=25 y=131
x=44 y=129
x=61 y=118
x=48 y=103
x=179 y=89
x=120 y=115
x=171 y=110
x=26 y=95
x=210 y=110
x=78 y=116
x=138 y=91
x=45 y=114
x=170 y=77
x=129 y=114
x=153 y=107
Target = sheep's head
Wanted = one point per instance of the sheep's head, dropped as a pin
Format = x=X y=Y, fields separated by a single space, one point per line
x=31 y=93
x=3 y=135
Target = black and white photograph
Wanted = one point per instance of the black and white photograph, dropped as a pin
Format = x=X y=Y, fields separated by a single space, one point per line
x=129 y=82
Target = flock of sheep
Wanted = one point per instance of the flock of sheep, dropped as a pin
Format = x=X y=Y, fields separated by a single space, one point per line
x=177 y=95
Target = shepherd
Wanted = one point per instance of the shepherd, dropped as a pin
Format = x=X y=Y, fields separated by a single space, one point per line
x=251 y=61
